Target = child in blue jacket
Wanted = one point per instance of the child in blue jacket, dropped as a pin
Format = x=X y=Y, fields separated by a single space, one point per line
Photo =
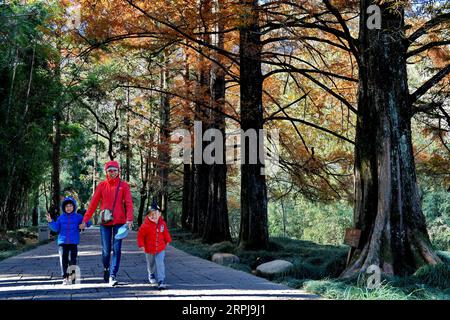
x=67 y=225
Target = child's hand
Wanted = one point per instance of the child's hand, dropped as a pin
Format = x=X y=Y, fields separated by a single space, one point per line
x=49 y=218
x=82 y=226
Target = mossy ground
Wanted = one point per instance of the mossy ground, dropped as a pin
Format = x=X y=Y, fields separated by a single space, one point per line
x=317 y=267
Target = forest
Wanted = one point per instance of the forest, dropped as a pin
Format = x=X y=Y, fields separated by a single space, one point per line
x=354 y=93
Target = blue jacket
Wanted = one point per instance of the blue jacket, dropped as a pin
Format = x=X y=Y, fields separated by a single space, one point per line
x=67 y=224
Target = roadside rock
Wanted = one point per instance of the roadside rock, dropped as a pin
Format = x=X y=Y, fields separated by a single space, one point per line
x=224 y=258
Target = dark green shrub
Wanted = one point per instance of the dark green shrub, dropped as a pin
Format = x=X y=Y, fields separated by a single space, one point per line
x=225 y=247
x=5 y=245
x=436 y=276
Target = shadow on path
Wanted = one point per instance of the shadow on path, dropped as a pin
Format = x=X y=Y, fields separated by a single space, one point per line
x=35 y=274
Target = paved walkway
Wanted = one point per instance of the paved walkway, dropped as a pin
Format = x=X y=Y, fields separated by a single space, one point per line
x=35 y=274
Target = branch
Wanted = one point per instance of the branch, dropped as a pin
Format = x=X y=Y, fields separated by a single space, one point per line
x=430 y=83
x=427 y=26
x=224 y=52
x=314 y=126
x=181 y=97
x=426 y=47
x=426 y=108
x=91 y=110
x=302 y=71
x=351 y=41
x=287 y=106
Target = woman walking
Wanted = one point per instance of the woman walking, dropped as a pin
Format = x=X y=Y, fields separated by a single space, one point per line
x=116 y=210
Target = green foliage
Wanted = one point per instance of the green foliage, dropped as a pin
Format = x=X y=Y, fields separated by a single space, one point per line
x=395 y=288
x=77 y=173
x=436 y=276
x=444 y=255
x=6 y=245
x=436 y=208
x=341 y=290
x=28 y=94
x=318 y=222
x=225 y=246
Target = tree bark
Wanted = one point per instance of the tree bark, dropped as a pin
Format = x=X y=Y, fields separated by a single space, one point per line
x=35 y=213
x=56 y=159
x=200 y=169
x=187 y=172
x=387 y=201
x=145 y=170
x=128 y=149
x=217 y=225
x=253 y=230
x=190 y=217
x=164 y=147
x=200 y=175
x=186 y=196
x=94 y=169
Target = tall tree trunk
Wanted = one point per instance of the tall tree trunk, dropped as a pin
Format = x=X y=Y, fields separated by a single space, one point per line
x=128 y=149
x=387 y=203
x=13 y=79
x=283 y=217
x=186 y=196
x=35 y=213
x=217 y=227
x=191 y=217
x=145 y=170
x=253 y=231
x=164 y=147
x=111 y=145
x=201 y=114
x=56 y=158
x=186 y=202
x=94 y=169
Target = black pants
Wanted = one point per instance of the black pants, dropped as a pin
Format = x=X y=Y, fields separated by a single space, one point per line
x=73 y=249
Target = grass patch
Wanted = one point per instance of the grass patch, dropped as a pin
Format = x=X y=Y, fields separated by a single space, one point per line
x=317 y=267
x=14 y=242
x=436 y=276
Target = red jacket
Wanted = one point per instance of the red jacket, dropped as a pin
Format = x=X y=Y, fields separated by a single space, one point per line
x=154 y=237
x=105 y=193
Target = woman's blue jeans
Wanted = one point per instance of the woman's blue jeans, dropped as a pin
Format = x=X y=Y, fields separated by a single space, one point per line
x=108 y=233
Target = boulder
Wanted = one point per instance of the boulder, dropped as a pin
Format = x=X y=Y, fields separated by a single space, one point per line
x=224 y=258
x=269 y=269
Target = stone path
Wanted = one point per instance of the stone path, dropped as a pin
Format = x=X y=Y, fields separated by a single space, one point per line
x=35 y=274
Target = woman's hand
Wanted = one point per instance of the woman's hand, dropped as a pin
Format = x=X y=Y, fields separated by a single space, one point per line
x=49 y=217
x=82 y=226
x=130 y=225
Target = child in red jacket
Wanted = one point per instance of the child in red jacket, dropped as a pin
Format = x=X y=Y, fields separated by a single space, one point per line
x=153 y=237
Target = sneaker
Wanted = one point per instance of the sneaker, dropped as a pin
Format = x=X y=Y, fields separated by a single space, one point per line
x=152 y=279
x=106 y=275
x=112 y=281
x=65 y=282
x=162 y=285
